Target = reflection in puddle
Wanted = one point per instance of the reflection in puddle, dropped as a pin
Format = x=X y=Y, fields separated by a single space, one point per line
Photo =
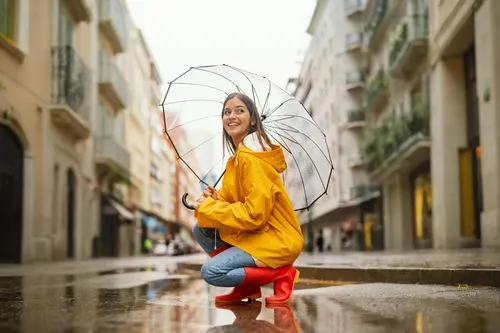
x=152 y=300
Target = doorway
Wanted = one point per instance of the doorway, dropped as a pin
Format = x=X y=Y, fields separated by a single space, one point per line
x=11 y=195
x=473 y=142
x=70 y=213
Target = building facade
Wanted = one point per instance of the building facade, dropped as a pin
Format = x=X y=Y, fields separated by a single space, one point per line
x=46 y=104
x=331 y=87
x=464 y=57
x=396 y=143
x=412 y=69
x=65 y=167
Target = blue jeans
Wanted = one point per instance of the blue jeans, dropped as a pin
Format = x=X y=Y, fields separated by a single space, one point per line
x=225 y=269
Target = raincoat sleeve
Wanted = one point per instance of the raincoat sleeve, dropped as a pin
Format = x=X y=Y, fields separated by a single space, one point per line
x=221 y=193
x=249 y=214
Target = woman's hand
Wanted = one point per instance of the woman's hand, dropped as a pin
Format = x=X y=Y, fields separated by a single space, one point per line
x=210 y=192
x=199 y=201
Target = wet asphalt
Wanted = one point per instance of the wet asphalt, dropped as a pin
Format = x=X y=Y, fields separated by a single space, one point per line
x=150 y=296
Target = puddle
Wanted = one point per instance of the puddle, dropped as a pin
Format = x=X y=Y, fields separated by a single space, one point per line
x=159 y=299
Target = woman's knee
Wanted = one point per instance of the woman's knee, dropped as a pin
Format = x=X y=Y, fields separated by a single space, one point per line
x=210 y=273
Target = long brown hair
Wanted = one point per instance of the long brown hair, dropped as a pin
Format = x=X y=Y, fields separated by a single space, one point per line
x=255 y=122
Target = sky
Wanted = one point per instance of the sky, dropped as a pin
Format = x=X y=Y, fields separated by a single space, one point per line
x=267 y=37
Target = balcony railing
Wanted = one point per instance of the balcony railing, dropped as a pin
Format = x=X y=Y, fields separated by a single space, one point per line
x=353 y=41
x=356 y=119
x=71 y=81
x=353 y=7
x=376 y=90
x=409 y=46
x=355 y=80
x=393 y=135
x=112 y=85
x=374 y=20
x=361 y=191
x=113 y=24
x=110 y=154
x=109 y=150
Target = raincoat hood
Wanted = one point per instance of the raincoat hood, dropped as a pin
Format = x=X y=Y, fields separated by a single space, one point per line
x=272 y=155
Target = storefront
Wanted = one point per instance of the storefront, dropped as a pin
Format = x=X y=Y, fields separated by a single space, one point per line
x=421 y=185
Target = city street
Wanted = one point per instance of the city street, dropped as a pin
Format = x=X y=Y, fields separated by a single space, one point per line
x=153 y=295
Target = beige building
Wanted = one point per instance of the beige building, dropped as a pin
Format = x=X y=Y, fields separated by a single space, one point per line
x=46 y=107
x=65 y=168
x=152 y=162
x=331 y=86
x=396 y=143
x=465 y=79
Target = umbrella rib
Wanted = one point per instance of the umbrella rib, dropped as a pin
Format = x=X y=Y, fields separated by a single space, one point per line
x=300 y=174
x=282 y=143
x=170 y=84
x=218 y=74
x=200 y=85
x=308 y=155
x=180 y=158
x=296 y=130
x=275 y=129
x=192 y=121
x=279 y=105
x=267 y=97
x=254 y=92
x=284 y=117
x=193 y=100
x=213 y=167
x=200 y=144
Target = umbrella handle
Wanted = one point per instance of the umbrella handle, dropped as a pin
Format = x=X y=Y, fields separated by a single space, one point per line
x=185 y=203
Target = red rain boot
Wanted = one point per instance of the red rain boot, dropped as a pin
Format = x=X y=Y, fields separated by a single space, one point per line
x=283 y=286
x=243 y=291
x=219 y=250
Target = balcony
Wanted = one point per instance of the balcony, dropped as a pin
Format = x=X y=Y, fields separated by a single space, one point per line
x=398 y=144
x=376 y=92
x=112 y=85
x=113 y=24
x=112 y=159
x=410 y=46
x=353 y=41
x=79 y=10
x=354 y=81
x=375 y=21
x=361 y=191
x=356 y=119
x=354 y=162
x=354 y=7
x=70 y=93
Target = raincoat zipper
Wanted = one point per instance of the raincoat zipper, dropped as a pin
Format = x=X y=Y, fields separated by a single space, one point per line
x=215 y=239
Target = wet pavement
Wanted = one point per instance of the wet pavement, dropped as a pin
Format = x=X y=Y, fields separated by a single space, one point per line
x=153 y=295
x=426 y=258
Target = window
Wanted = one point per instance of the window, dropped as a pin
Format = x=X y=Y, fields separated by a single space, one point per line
x=155 y=146
x=65 y=29
x=155 y=196
x=8 y=18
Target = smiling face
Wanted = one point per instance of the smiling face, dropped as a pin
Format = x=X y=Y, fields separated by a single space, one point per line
x=236 y=119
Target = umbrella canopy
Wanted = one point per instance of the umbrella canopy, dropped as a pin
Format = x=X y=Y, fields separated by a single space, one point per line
x=192 y=108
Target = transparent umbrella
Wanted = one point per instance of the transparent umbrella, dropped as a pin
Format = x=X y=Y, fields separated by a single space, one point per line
x=192 y=108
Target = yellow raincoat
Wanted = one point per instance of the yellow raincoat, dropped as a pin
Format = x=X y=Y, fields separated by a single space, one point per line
x=253 y=211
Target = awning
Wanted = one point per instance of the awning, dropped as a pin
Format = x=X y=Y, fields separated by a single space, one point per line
x=120 y=209
x=342 y=209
